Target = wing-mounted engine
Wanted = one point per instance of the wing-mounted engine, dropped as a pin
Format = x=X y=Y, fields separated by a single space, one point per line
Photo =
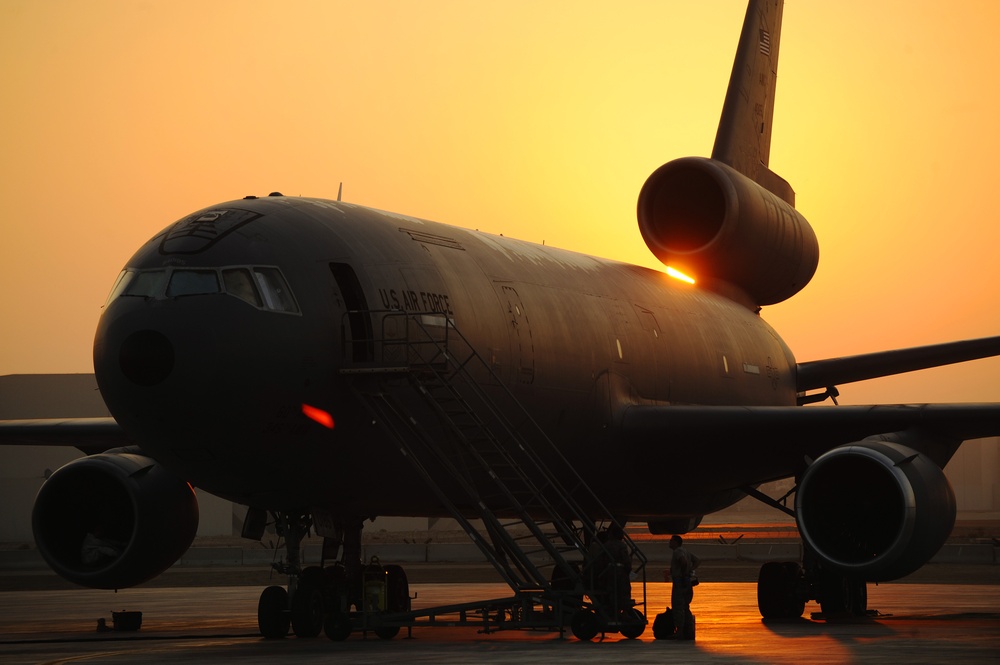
x=875 y=510
x=678 y=525
x=113 y=520
x=708 y=220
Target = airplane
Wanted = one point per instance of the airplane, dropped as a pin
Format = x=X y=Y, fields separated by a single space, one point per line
x=323 y=363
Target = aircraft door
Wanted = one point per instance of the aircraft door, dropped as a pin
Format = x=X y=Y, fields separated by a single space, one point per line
x=359 y=322
x=522 y=345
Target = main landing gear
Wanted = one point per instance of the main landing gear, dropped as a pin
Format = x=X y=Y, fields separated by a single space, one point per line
x=783 y=587
x=319 y=598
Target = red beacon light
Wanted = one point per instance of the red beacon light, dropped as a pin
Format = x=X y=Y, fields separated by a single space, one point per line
x=318 y=415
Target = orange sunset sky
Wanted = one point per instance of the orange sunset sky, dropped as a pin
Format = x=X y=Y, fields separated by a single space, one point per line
x=538 y=120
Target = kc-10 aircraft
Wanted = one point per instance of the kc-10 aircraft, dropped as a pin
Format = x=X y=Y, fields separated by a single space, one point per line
x=324 y=363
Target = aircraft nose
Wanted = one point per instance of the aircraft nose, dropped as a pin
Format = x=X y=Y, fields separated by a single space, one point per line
x=145 y=351
x=146 y=357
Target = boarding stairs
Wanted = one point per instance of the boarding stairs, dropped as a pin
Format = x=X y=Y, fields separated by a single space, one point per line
x=480 y=452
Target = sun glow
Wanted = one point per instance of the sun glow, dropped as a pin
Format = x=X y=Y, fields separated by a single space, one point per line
x=677 y=274
x=505 y=140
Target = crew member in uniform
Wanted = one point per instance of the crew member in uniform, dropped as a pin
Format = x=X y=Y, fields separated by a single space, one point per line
x=681 y=592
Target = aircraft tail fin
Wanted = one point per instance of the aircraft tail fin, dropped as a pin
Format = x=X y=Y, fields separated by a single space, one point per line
x=744 y=137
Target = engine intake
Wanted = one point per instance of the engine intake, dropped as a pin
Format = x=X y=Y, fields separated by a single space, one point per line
x=113 y=520
x=702 y=216
x=876 y=510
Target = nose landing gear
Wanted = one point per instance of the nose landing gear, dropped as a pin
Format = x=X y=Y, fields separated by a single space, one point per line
x=301 y=606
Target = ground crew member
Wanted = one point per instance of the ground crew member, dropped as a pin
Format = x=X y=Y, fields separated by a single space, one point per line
x=681 y=592
x=619 y=570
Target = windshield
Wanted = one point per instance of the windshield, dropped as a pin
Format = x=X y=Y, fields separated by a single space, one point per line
x=192 y=283
x=263 y=287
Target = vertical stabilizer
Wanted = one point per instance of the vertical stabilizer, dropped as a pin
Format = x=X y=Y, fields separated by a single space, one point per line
x=744 y=137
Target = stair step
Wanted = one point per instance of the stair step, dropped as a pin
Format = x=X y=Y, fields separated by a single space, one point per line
x=520 y=483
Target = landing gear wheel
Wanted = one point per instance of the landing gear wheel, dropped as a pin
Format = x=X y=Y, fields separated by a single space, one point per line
x=859 y=601
x=633 y=623
x=272 y=612
x=585 y=624
x=337 y=626
x=776 y=586
x=842 y=596
x=335 y=589
x=307 y=609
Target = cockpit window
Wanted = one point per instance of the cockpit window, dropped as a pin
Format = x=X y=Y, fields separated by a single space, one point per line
x=263 y=287
x=124 y=277
x=275 y=291
x=148 y=284
x=193 y=283
x=239 y=283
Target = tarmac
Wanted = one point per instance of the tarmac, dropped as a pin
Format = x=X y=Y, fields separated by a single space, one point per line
x=918 y=623
x=203 y=610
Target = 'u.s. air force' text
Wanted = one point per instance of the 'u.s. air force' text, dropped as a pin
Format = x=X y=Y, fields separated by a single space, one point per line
x=415 y=301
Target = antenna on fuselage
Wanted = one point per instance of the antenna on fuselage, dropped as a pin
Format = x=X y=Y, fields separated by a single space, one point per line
x=340 y=190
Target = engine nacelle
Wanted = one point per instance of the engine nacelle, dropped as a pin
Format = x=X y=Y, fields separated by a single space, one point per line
x=678 y=525
x=112 y=521
x=874 y=509
x=707 y=219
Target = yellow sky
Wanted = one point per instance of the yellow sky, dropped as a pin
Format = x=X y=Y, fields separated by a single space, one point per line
x=538 y=120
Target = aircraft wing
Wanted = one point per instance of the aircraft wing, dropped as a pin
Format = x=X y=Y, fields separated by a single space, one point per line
x=824 y=424
x=767 y=443
x=90 y=435
x=755 y=433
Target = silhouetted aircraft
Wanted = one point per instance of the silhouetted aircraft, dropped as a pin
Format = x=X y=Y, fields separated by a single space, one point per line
x=325 y=363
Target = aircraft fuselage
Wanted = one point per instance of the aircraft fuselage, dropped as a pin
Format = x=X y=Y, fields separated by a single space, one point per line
x=206 y=357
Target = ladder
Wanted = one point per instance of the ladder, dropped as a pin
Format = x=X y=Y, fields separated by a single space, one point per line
x=480 y=452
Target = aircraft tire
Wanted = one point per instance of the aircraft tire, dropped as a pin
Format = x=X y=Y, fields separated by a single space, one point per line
x=776 y=586
x=585 y=624
x=335 y=589
x=307 y=610
x=842 y=595
x=272 y=613
x=859 y=606
x=337 y=626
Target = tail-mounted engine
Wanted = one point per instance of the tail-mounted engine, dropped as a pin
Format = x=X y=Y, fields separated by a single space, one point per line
x=112 y=521
x=875 y=510
x=708 y=220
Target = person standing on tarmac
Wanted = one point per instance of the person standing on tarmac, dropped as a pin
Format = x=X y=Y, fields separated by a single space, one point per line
x=619 y=582
x=681 y=592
